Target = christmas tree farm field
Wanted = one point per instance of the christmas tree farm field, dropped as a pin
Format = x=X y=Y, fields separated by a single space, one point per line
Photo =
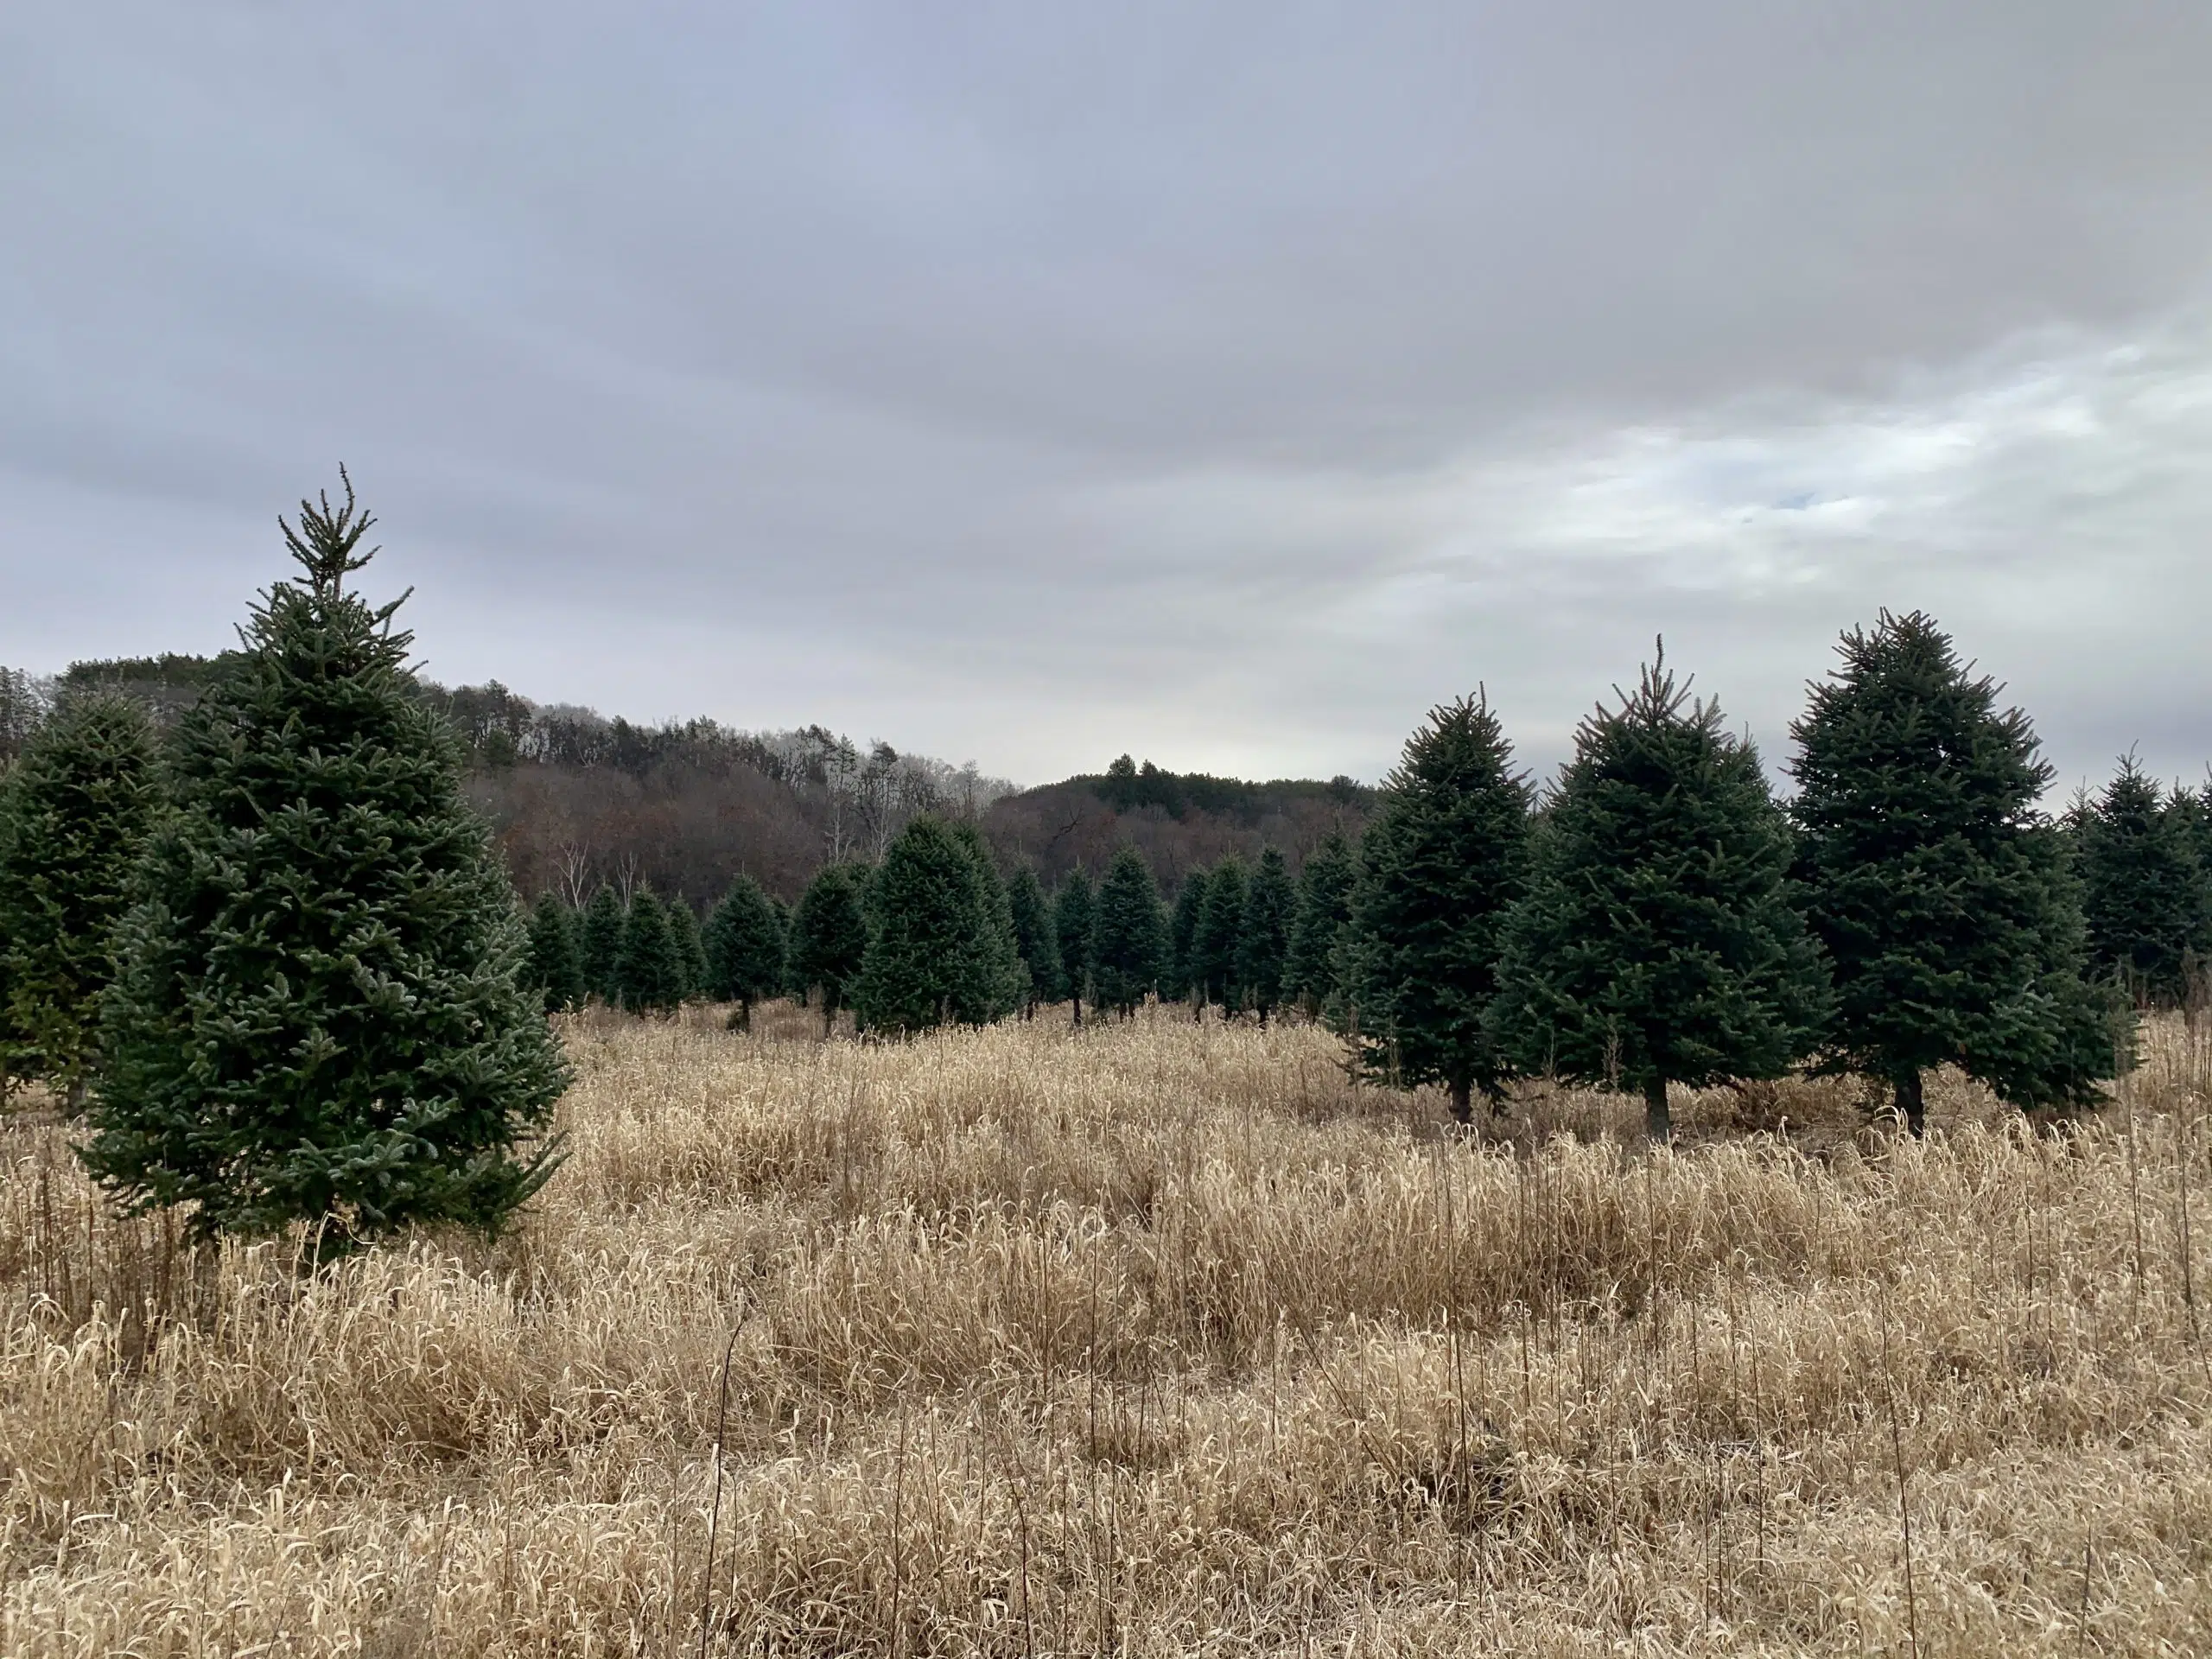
x=1148 y=1337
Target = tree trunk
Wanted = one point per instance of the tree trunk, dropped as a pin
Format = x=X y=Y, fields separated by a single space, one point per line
x=828 y=1014
x=76 y=1096
x=1463 y=1100
x=1658 y=1122
x=1263 y=1016
x=1079 y=1007
x=1912 y=1104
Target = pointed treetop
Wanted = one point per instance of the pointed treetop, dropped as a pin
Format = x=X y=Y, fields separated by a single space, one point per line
x=325 y=541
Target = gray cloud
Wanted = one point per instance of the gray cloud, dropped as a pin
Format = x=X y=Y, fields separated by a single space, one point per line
x=1222 y=383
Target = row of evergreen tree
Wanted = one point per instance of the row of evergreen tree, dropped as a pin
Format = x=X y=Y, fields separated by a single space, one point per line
x=1657 y=917
x=275 y=955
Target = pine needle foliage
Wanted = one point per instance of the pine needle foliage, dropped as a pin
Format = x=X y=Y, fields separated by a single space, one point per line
x=690 y=945
x=1075 y=914
x=2143 y=891
x=1444 y=860
x=74 y=813
x=1129 y=937
x=1656 y=942
x=941 y=950
x=829 y=936
x=1263 y=935
x=1213 y=945
x=650 y=973
x=1182 y=929
x=1935 y=884
x=745 y=950
x=1035 y=936
x=556 y=969
x=319 y=1013
x=599 y=941
x=1324 y=891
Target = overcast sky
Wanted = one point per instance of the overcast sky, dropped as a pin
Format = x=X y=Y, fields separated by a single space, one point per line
x=1224 y=383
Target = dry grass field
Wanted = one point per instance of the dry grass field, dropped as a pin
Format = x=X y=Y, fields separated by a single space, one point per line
x=1148 y=1339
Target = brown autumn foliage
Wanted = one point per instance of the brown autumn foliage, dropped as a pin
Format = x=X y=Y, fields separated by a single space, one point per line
x=1148 y=1337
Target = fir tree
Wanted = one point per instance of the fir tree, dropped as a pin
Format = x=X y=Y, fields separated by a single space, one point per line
x=1952 y=929
x=1075 y=912
x=829 y=936
x=995 y=981
x=2143 y=891
x=745 y=950
x=1324 y=890
x=690 y=946
x=649 y=975
x=318 y=1014
x=599 y=944
x=1263 y=936
x=1655 y=943
x=556 y=968
x=1443 y=862
x=1128 y=936
x=1182 y=931
x=937 y=954
x=1213 y=945
x=1036 y=936
x=74 y=813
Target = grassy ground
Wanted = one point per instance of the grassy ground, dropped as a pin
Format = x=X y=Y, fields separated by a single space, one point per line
x=1147 y=1338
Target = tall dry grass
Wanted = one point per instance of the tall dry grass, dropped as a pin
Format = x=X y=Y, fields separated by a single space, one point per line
x=1148 y=1339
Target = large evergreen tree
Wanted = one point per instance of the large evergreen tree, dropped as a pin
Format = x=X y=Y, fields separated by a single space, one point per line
x=1952 y=929
x=1075 y=913
x=1656 y=941
x=1445 y=857
x=1182 y=931
x=828 y=938
x=1324 y=892
x=650 y=973
x=1036 y=934
x=745 y=950
x=599 y=941
x=1263 y=936
x=556 y=967
x=1129 y=936
x=1213 y=943
x=941 y=950
x=74 y=813
x=318 y=1013
x=2143 y=890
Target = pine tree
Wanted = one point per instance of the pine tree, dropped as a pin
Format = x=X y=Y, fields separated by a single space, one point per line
x=317 y=1013
x=745 y=950
x=1656 y=942
x=828 y=938
x=1075 y=914
x=1128 y=936
x=1263 y=936
x=937 y=954
x=2143 y=891
x=690 y=946
x=1953 y=928
x=1213 y=945
x=1324 y=890
x=556 y=967
x=1036 y=936
x=649 y=975
x=995 y=981
x=599 y=944
x=74 y=813
x=1445 y=859
x=1182 y=931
